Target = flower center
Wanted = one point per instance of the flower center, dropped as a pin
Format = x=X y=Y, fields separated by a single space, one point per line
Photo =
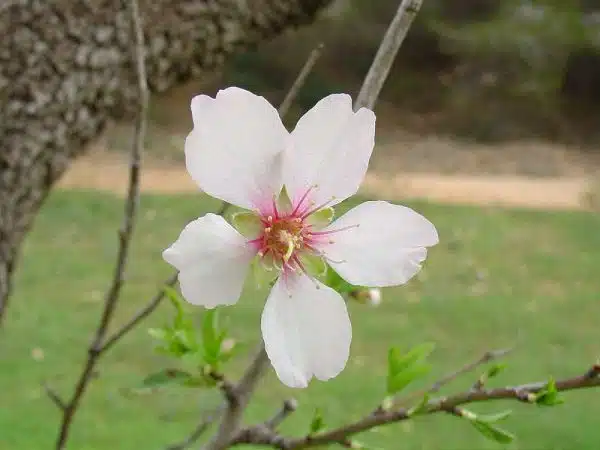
x=282 y=239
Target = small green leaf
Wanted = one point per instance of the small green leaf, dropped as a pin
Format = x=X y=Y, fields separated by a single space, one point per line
x=211 y=337
x=492 y=418
x=416 y=354
x=493 y=432
x=174 y=298
x=165 y=377
x=495 y=370
x=247 y=223
x=549 y=396
x=159 y=333
x=404 y=368
x=402 y=379
x=317 y=423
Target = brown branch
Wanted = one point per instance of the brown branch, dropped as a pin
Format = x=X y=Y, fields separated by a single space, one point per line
x=386 y=54
x=125 y=235
x=53 y=395
x=447 y=404
x=487 y=357
x=300 y=80
x=138 y=317
x=289 y=406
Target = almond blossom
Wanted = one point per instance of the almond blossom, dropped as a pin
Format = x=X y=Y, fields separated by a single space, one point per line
x=287 y=184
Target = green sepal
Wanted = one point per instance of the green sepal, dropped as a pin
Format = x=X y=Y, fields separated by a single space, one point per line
x=263 y=273
x=321 y=218
x=247 y=223
x=314 y=265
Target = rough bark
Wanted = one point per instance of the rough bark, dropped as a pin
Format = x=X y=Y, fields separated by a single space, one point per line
x=66 y=68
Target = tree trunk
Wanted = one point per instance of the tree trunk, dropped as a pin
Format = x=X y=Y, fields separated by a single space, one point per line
x=66 y=67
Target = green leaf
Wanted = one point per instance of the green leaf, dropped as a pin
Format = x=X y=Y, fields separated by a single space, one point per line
x=492 y=418
x=495 y=370
x=400 y=362
x=211 y=337
x=404 y=368
x=160 y=334
x=174 y=298
x=549 y=396
x=166 y=377
x=402 y=379
x=317 y=423
x=493 y=432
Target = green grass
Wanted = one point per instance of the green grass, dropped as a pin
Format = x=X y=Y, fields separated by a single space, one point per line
x=497 y=277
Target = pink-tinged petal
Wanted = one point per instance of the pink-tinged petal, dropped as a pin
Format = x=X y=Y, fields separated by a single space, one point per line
x=385 y=249
x=213 y=260
x=331 y=148
x=234 y=151
x=306 y=330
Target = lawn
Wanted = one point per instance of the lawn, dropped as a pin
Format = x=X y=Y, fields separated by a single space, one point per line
x=499 y=277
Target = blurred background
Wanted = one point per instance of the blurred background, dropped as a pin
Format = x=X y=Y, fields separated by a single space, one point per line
x=488 y=72
x=494 y=103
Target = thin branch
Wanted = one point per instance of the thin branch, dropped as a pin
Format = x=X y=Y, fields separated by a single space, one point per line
x=289 y=406
x=138 y=317
x=235 y=409
x=56 y=399
x=125 y=234
x=200 y=429
x=386 y=54
x=487 y=357
x=300 y=80
x=447 y=404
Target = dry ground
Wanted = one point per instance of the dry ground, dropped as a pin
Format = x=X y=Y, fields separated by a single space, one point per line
x=108 y=171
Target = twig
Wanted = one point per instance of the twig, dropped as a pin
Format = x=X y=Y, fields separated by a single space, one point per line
x=235 y=409
x=487 y=357
x=59 y=402
x=292 y=93
x=200 y=429
x=289 y=406
x=125 y=234
x=138 y=317
x=386 y=54
x=449 y=404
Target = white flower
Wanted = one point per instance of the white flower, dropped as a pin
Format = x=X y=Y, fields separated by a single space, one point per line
x=240 y=152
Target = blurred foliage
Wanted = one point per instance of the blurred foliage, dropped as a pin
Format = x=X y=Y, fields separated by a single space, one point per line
x=481 y=69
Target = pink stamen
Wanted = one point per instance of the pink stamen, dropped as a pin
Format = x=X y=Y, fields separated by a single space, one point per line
x=305 y=214
x=304 y=196
x=325 y=233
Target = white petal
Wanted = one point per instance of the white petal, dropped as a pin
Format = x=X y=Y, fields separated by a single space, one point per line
x=306 y=330
x=212 y=259
x=386 y=249
x=331 y=148
x=234 y=151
